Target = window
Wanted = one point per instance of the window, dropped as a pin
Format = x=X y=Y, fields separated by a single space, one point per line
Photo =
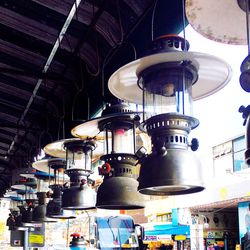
x=166 y=217
x=238 y=154
x=223 y=159
x=229 y=156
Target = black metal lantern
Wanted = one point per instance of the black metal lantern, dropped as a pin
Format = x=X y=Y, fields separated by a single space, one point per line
x=15 y=202
x=27 y=213
x=120 y=170
x=43 y=179
x=79 y=194
x=26 y=187
x=165 y=82
x=54 y=207
x=39 y=212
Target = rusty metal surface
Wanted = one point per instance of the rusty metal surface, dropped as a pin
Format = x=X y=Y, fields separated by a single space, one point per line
x=219 y=20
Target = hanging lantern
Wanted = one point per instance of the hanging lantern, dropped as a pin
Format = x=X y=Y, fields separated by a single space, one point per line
x=120 y=170
x=56 y=167
x=79 y=195
x=166 y=81
x=15 y=201
x=27 y=213
x=21 y=209
x=26 y=187
x=54 y=206
x=39 y=212
x=43 y=179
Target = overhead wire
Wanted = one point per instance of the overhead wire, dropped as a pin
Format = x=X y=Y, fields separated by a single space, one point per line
x=184 y=24
x=45 y=132
x=120 y=22
x=153 y=19
x=105 y=61
x=61 y=123
x=79 y=90
x=96 y=49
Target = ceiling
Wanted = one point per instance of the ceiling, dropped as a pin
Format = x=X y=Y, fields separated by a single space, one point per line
x=56 y=57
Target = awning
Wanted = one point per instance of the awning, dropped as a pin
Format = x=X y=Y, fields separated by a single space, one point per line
x=168 y=229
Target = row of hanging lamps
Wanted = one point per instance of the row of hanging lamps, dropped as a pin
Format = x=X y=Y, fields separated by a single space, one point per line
x=232 y=28
x=165 y=81
x=117 y=125
x=79 y=194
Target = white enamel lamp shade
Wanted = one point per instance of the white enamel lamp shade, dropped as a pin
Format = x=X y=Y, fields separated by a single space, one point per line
x=213 y=74
x=57 y=149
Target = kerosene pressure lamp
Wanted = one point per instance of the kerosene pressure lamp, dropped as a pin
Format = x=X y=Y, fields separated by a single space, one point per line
x=54 y=207
x=165 y=82
x=43 y=180
x=117 y=127
x=26 y=187
x=78 y=194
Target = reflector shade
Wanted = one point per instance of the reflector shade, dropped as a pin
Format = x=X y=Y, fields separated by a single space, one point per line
x=177 y=172
x=119 y=193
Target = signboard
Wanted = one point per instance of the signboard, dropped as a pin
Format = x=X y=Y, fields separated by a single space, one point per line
x=164 y=237
x=150 y=238
x=16 y=238
x=180 y=237
x=2 y=230
x=214 y=234
x=36 y=238
x=244 y=220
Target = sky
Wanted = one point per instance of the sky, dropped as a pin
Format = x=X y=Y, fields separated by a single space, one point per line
x=218 y=114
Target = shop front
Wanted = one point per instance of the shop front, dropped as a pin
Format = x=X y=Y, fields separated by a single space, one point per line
x=167 y=236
